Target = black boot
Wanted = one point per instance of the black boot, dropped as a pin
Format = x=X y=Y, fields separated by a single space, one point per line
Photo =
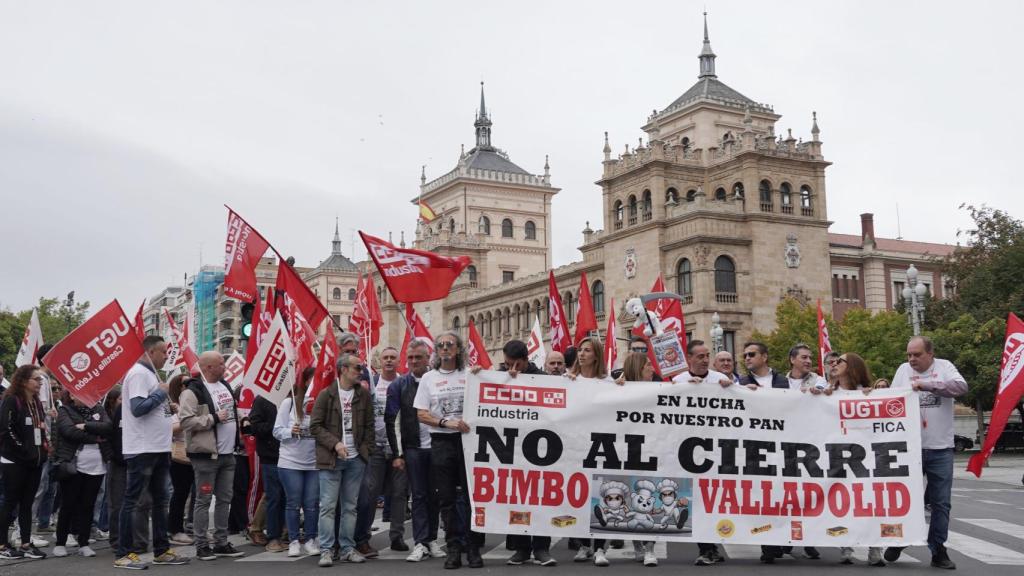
x=454 y=559
x=473 y=557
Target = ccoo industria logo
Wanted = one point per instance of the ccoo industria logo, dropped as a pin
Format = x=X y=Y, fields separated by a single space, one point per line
x=511 y=395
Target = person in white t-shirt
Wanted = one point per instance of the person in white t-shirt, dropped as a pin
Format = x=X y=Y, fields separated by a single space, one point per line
x=937 y=383
x=296 y=467
x=439 y=401
x=146 y=444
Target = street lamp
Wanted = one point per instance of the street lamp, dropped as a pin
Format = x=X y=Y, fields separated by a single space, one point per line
x=716 y=333
x=913 y=296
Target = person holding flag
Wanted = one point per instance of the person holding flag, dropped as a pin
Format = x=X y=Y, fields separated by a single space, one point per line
x=1008 y=396
x=296 y=466
x=937 y=383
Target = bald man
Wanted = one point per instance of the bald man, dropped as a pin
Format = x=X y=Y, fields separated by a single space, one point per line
x=725 y=364
x=554 y=363
x=210 y=422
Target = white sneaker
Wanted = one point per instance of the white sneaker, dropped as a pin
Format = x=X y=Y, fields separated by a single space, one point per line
x=419 y=552
x=37 y=541
x=72 y=540
x=599 y=558
x=294 y=549
x=60 y=551
x=649 y=558
x=436 y=550
x=353 y=557
x=312 y=547
x=87 y=551
x=102 y=535
x=583 y=554
x=182 y=539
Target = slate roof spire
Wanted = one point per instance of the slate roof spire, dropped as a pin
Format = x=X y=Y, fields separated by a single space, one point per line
x=483 y=124
x=707 y=56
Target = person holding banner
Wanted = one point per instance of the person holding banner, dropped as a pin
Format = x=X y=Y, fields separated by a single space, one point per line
x=296 y=467
x=801 y=374
x=342 y=423
x=759 y=373
x=439 y=401
x=554 y=363
x=80 y=457
x=937 y=382
x=850 y=372
x=413 y=453
x=146 y=442
x=725 y=364
x=23 y=449
x=638 y=368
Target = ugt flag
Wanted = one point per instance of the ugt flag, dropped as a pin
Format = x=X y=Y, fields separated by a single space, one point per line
x=91 y=359
x=1011 y=388
x=414 y=275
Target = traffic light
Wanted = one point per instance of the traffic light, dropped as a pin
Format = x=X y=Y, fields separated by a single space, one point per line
x=247 y=310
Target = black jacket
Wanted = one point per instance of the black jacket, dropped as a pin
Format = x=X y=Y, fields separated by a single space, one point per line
x=261 y=420
x=17 y=438
x=778 y=380
x=531 y=368
x=116 y=440
x=69 y=438
x=401 y=394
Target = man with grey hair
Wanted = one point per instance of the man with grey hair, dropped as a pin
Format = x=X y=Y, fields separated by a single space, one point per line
x=439 y=403
x=342 y=423
x=937 y=383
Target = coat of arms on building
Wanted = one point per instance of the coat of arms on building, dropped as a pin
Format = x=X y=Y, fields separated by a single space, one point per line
x=792 y=252
x=701 y=255
x=630 y=264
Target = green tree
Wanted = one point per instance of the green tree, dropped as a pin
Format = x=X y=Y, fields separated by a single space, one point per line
x=880 y=338
x=54 y=320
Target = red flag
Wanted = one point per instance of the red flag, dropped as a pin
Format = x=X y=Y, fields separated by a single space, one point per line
x=611 y=348
x=289 y=282
x=327 y=365
x=559 y=327
x=366 y=318
x=302 y=336
x=140 y=328
x=92 y=358
x=242 y=252
x=414 y=275
x=670 y=311
x=376 y=318
x=261 y=318
x=1011 y=389
x=824 y=345
x=477 y=351
x=186 y=356
x=418 y=330
x=586 y=320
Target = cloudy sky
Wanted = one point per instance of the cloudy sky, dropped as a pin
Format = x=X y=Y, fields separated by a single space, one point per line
x=125 y=126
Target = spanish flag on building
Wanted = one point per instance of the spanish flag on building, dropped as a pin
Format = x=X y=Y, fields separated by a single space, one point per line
x=427 y=213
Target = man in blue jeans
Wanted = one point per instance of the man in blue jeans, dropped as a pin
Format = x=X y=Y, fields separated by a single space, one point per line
x=342 y=423
x=146 y=442
x=937 y=382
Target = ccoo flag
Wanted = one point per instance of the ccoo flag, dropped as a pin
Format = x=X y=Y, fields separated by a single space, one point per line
x=272 y=372
x=535 y=350
x=414 y=275
x=1011 y=389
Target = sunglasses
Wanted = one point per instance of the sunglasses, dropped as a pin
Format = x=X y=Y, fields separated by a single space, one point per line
x=358 y=367
x=639 y=349
x=749 y=354
x=840 y=361
x=443 y=345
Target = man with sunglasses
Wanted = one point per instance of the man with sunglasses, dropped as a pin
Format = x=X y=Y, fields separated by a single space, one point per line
x=439 y=403
x=342 y=423
x=759 y=373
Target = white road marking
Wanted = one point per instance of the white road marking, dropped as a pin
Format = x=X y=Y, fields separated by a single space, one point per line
x=742 y=551
x=500 y=553
x=1008 y=528
x=862 y=555
x=991 y=502
x=984 y=551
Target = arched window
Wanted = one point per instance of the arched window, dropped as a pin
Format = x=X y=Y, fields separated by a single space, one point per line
x=737 y=190
x=597 y=295
x=632 y=207
x=456 y=324
x=725 y=275
x=647 y=204
x=508 y=320
x=506 y=228
x=485 y=225
x=618 y=214
x=471 y=273
x=671 y=196
x=727 y=137
x=568 y=307
x=764 y=195
x=518 y=317
x=785 y=195
x=351 y=293
x=691 y=195
x=684 y=278
x=531 y=230
x=805 y=200
x=720 y=194
x=451 y=225
x=336 y=293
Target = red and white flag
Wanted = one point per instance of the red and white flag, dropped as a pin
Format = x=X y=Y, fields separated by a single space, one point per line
x=272 y=373
x=415 y=328
x=30 y=342
x=670 y=310
x=586 y=320
x=179 y=352
x=234 y=369
x=366 y=318
x=611 y=347
x=242 y=252
x=535 y=350
x=327 y=365
x=477 y=351
x=824 y=344
x=289 y=282
x=414 y=275
x=262 y=316
x=139 y=326
x=556 y=313
x=93 y=357
x=301 y=334
x=1011 y=389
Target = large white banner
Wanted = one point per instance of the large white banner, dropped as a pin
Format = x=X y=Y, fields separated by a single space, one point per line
x=685 y=462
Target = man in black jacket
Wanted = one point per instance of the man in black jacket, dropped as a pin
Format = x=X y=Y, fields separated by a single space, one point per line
x=261 y=421
x=412 y=453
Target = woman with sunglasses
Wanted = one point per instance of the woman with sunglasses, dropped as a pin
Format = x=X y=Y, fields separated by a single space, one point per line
x=850 y=373
x=23 y=451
